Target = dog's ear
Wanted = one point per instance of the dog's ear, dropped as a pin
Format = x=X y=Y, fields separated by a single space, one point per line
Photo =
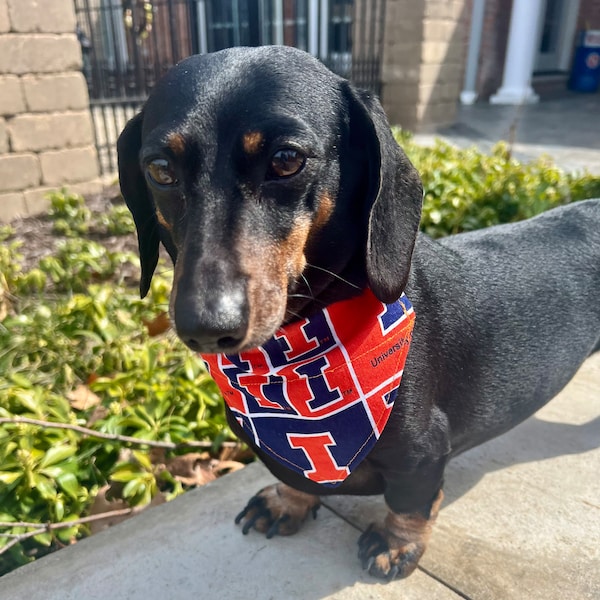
x=138 y=199
x=395 y=196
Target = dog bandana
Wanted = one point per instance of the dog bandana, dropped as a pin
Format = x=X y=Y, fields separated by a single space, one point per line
x=318 y=394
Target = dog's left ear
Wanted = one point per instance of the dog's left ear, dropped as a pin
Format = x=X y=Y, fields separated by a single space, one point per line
x=395 y=197
x=138 y=199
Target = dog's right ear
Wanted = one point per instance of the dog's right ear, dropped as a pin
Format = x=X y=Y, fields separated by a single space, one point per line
x=138 y=199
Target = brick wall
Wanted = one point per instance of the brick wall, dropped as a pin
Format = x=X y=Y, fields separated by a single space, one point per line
x=589 y=15
x=423 y=62
x=46 y=137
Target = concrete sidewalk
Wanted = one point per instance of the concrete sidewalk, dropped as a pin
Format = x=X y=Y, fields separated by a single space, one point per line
x=562 y=128
x=521 y=520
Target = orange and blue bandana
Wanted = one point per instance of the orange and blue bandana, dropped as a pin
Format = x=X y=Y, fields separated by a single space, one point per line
x=318 y=394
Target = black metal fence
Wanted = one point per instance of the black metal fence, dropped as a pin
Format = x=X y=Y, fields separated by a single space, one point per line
x=128 y=45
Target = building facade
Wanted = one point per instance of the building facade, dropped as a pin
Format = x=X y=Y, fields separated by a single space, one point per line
x=527 y=46
x=438 y=53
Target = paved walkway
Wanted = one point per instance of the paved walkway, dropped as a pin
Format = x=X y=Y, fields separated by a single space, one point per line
x=521 y=519
x=566 y=128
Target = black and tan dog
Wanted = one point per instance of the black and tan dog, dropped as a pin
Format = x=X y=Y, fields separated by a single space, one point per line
x=277 y=189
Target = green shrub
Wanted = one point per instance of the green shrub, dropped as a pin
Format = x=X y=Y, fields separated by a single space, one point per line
x=80 y=262
x=118 y=220
x=465 y=189
x=69 y=213
x=88 y=332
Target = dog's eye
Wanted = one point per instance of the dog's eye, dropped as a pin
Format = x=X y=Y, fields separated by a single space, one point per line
x=285 y=163
x=160 y=172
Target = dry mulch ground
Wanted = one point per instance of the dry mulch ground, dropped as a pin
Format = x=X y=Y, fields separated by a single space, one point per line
x=39 y=240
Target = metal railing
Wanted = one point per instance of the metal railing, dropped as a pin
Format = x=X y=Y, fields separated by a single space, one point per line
x=127 y=45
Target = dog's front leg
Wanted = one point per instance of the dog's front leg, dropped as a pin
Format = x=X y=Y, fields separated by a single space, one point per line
x=413 y=494
x=394 y=549
x=278 y=510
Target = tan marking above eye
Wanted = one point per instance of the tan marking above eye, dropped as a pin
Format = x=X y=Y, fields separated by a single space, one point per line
x=176 y=143
x=253 y=141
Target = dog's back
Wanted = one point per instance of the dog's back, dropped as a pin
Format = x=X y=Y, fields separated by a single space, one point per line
x=515 y=310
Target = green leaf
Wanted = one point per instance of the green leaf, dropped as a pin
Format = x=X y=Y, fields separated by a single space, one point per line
x=143 y=459
x=20 y=380
x=8 y=477
x=69 y=484
x=133 y=488
x=59 y=509
x=57 y=454
x=66 y=534
x=45 y=539
x=124 y=474
x=44 y=486
x=6 y=517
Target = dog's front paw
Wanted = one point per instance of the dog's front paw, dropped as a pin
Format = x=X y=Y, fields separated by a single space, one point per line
x=386 y=556
x=393 y=550
x=278 y=510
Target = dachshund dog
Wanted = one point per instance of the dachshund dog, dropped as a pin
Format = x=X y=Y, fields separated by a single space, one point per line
x=281 y=196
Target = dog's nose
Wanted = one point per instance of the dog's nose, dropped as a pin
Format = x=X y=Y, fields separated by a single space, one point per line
x=215 y=324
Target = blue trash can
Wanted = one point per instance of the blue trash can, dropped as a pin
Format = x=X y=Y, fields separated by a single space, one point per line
x=585 y=74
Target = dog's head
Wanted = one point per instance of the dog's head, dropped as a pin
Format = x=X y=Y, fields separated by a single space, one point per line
x=275 y=187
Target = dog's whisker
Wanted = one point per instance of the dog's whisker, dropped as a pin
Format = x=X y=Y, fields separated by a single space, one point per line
x=317 y=301
x=290 y=313
x=307 y=297
x=307 y=284
x=335 y=275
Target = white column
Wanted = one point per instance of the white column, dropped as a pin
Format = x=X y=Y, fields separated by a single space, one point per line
x=469 y=93
x=324 y=41
x=202 y=31
x=313 y=27
x=278 y=22
x=523 y=40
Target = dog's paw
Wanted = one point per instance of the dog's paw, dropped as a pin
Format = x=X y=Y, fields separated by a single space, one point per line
x=386 y=556
x=393 y=551
x=278 y=510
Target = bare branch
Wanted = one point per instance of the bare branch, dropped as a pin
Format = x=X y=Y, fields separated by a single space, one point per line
x=43 y=527
x=114 y=437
